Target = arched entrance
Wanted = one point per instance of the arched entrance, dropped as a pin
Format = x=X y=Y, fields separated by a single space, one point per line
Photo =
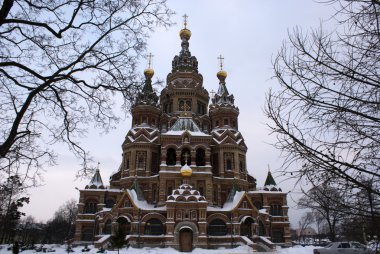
x=124 y=225
x=246 y=226
x=185 y=239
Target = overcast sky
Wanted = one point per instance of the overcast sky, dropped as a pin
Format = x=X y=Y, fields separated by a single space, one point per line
x=248 y=34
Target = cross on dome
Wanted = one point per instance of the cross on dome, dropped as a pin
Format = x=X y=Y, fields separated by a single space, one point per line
x=221 y=60
x=150 y=59
x=185 y=20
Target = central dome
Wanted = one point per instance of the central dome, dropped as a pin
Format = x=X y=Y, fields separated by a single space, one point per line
x=186 y=170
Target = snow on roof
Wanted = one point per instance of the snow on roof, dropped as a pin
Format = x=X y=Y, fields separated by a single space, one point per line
x=184 y=124
x=96 y=181
x=228 y=206
x=142 y=204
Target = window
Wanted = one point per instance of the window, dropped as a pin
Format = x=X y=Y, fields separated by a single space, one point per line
x=241 y=163
x=217 y=123
x=201 y=108
x=141 y=160
x=154 y=164
x=184 y=105
x=217 y=227
x=90 y=207
x=276 y=210
x=200 y=157
x=154 y=227
x=171 y=156
x=228 y=161
x=215 y=164
x=225 y=121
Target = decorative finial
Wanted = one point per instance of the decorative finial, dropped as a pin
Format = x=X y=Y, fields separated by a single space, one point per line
x=222 y=75
x=185 y=20
x=221 y=59
x=149 y=72
x=268 y=168
x=150 y=58
x=97 y=169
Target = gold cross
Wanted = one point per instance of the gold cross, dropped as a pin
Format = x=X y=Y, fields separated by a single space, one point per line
x=185 y=20
x=221 y=59
x=186 y=155
x=150 y=56
x=212 y=93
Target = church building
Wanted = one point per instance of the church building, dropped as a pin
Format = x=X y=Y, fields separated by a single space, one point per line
x=183 y=180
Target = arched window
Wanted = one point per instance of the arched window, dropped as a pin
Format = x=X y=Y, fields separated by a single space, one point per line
x=217 y=227
x=108 y=227
x=185 y=156
x=200 y=157
x=170 y=157
x=90 y=206
x=154 y=227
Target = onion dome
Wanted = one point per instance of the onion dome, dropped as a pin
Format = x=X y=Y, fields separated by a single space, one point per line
x=185 y=34
x=149 y=72
x=186 y=171
x=222 y=75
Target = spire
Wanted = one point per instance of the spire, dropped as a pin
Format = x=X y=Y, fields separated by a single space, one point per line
x=184 y=61
x=222 y=96
x=147 y=96
x=270 y=180
x=96 y=181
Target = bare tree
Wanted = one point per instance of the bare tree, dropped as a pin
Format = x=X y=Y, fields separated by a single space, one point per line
x=325 y=201
x=326 y=112
x=305 y=222
x=62 y=63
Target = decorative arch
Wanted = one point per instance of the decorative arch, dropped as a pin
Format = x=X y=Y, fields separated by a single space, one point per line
x=218 y=216
x=171 y=156
x=127 y=217
x=152 y=216
x=217 y=227
x=154 y=226
x=184 y=224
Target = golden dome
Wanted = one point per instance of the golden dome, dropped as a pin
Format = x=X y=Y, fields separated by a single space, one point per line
x=222 y=75
x=149 y=73
x=186 y=170
x=186 y=33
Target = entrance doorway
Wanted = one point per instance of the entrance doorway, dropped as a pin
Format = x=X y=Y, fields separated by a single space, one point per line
x=186 y=240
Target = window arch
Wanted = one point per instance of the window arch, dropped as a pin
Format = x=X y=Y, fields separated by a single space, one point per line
x=154 y=227
x=90 y=206
x=184 y=156
x=217 y=227
x=200 y=157
x=171 y=156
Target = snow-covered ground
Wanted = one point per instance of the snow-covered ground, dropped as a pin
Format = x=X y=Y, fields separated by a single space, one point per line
x=239 y=250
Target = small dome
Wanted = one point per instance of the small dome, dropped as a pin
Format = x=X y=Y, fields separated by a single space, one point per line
x=185 y=33
x=186 y=170
x=148 y=73
x=222 y=75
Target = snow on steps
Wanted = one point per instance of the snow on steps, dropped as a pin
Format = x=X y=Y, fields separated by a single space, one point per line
x=102 y=241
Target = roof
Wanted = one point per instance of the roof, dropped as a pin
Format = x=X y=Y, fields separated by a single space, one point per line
x=96 y=181
x=185 y=124
x=270 y=180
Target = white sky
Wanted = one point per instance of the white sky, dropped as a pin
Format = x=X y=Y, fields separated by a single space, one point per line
x=248 y=34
